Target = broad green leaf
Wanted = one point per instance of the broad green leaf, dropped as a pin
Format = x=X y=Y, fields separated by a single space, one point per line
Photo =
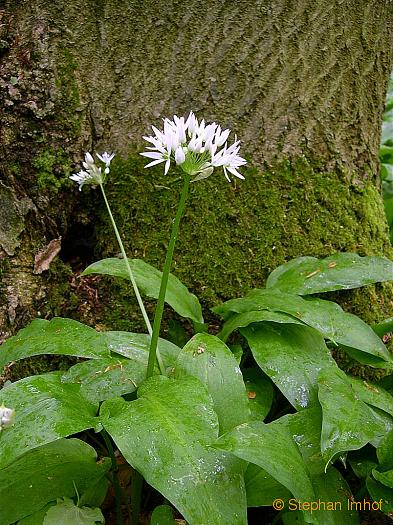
x=388 y=201
x=45 y=474
x=333 y=494
x=101 y=379
x=367 y=359
x=45 y=410
x=385 y=477
x=208 y=359
x=381 y=494
x=37 y=518
x=330 y=506
x=68 y=337
x=162 y=515
x=148 y=280
x=385 y=424
x=246 y=318
x=348 y=423
x=270 y=447
x=166 y=435
x=95 y=494
x=385 y=451
x=325 y=316
x=67 y=513
x=383 y=327
x=177 y=333
x=237 y=351
x=373 y=395
x=341 y=271
x=262 y=489
x=329 y=486
x=387 y=383
x=136 y=347
x=292 y=356
x=386 y=154
x=58 y=336
x=363 y=461
x=304 y=429
x=260 y=392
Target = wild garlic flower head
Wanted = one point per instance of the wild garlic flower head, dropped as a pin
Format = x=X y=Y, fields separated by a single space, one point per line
x=106 y=158
x=7 y=416
x=91 y=173
x=195 y=146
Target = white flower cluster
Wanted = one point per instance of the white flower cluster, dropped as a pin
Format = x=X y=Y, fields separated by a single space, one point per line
x=92 y=174
x=195 y=146
x=7 y=416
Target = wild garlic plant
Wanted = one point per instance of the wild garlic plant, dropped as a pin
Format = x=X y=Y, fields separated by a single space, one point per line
x=216 y=427
x=197 y=148
x=94 y=175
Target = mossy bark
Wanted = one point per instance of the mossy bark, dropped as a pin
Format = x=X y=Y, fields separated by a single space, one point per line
x=301 y=82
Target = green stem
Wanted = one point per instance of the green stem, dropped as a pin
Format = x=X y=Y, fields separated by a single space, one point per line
x=136 y=496
x=165 y=276
x=115 y=480
x=131 y=276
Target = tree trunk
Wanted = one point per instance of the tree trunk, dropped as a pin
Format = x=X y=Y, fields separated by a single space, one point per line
x=302 y=83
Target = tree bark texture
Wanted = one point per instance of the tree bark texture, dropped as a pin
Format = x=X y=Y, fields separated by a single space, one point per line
x=301 y=82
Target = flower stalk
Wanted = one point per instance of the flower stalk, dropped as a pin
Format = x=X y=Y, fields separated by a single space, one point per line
x=132 y=278
x=95 y=176
x=127 y=263
x=165 y=276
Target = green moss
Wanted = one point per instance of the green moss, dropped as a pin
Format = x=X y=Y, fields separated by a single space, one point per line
x=4 y=269
x=233 y=235
x=53 y=168
x=61 y=299
x=34 y=366
x=14 y=168
x=69 y=118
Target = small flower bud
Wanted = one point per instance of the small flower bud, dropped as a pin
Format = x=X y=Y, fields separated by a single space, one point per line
x=179 y=156
x=7 y=416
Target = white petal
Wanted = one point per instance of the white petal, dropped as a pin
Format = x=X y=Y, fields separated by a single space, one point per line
x=221 y=139
x=158 y=133
x=152 y=155
x=192 y=144
x=167 y=164
x=235 y=172
x=154 y=163
x=89 y=158
x=226 y=175
x=191 y=124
